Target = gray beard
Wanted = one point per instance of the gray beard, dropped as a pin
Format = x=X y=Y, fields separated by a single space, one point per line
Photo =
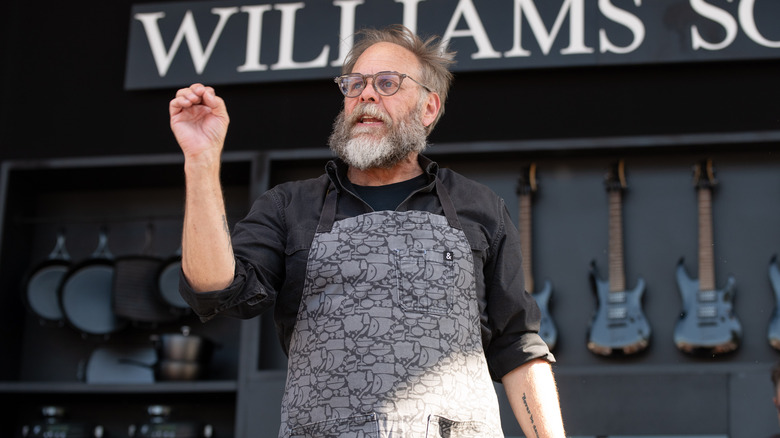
x=363 y=151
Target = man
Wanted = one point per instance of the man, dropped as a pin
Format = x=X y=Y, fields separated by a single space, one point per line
x=397 y=286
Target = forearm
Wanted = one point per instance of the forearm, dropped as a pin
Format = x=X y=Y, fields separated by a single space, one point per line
x=533 y=395
x=207 y=254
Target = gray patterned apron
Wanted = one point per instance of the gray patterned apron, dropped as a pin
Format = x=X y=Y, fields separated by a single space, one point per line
x=387 y=343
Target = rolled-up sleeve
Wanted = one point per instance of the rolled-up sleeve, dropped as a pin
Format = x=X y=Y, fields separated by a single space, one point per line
x=513 y=316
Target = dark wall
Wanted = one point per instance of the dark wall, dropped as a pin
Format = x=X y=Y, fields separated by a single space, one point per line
x=63 y=73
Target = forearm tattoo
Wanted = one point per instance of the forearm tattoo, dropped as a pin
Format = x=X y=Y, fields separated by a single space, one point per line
x=227 y=232
x=530 y=416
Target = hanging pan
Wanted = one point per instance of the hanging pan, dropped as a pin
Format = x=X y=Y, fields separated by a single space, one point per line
x=43 y=283
x=135 y=288
x=168 y=285
x=86 y=294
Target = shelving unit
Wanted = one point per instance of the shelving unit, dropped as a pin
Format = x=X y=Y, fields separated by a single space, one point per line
x=45 y=363
x=661 y=392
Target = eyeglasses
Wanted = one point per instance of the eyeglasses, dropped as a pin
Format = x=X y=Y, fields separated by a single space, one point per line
x=385 y=83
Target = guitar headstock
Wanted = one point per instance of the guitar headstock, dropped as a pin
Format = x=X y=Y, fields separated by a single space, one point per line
x=616 y=178
x=704 y=175
x=527 y=183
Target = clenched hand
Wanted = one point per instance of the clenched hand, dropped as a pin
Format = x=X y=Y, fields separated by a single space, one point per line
x=199 y=121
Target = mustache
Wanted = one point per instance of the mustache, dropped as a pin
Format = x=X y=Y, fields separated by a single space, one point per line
x=368 y=109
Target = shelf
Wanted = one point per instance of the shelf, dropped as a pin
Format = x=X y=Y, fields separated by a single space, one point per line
x=216 y=386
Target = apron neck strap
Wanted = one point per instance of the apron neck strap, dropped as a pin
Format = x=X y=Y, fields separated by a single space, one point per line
x=328 y=215
x=447 y=205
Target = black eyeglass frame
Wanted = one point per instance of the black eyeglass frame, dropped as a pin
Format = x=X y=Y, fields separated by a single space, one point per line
x=401 y=76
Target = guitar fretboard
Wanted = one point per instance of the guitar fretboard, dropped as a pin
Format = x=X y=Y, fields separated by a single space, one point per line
x=525 y=240
x=617 y=278
x=706 y=251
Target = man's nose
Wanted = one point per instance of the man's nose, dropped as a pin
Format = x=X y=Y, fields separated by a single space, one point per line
x=369 y=93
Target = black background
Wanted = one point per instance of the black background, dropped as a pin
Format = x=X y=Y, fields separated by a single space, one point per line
x=62 y=96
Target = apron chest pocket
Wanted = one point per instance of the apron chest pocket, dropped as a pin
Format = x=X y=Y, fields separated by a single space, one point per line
x=364 y=426
x=425 y=280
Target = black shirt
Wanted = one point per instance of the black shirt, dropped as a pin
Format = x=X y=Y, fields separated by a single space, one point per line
x=271 y=246
x=389 y=196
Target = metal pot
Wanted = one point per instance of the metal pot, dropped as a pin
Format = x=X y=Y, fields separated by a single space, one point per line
x=167 y=369
x=183 y=346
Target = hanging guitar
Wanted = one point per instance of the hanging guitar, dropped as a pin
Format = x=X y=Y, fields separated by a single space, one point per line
x=619 y=326
x=525 y=190
x=774 y=324
x=708 y=323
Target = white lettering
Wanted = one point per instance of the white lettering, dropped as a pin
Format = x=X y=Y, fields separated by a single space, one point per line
x=627 y=19
x=747 y=19
x=187 y=31
x=287 y=40
x=476 y=30
x=253 y=37
x=347 y=28
x=715 y=14
x=576 y=11
x=410 y=13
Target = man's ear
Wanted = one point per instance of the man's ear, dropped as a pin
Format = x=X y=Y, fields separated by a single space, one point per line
x=431 y=108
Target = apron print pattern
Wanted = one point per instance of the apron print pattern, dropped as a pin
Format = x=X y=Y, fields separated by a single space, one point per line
x=389 y=327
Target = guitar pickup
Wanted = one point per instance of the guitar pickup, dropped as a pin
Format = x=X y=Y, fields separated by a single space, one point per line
x=617 y=313
x=616 y=297
x=708 y=296
x=708 y=312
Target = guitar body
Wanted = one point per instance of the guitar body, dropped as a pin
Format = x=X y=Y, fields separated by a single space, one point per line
x=774 y=325
x=707 y=324
x=619 y=325
x=548 y=331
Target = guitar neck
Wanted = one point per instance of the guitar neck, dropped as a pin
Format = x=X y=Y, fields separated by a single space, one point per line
x=706 y=250
x=525 y=239
x=617 y=278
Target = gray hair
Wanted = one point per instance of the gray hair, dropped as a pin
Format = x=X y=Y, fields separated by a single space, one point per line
x=432 y=54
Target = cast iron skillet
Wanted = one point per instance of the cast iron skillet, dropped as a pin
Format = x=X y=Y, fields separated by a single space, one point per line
x=43 y=283
x=135 y=288
x=86 y=294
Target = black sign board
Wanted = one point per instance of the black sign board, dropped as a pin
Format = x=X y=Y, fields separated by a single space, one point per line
x=221 y=42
